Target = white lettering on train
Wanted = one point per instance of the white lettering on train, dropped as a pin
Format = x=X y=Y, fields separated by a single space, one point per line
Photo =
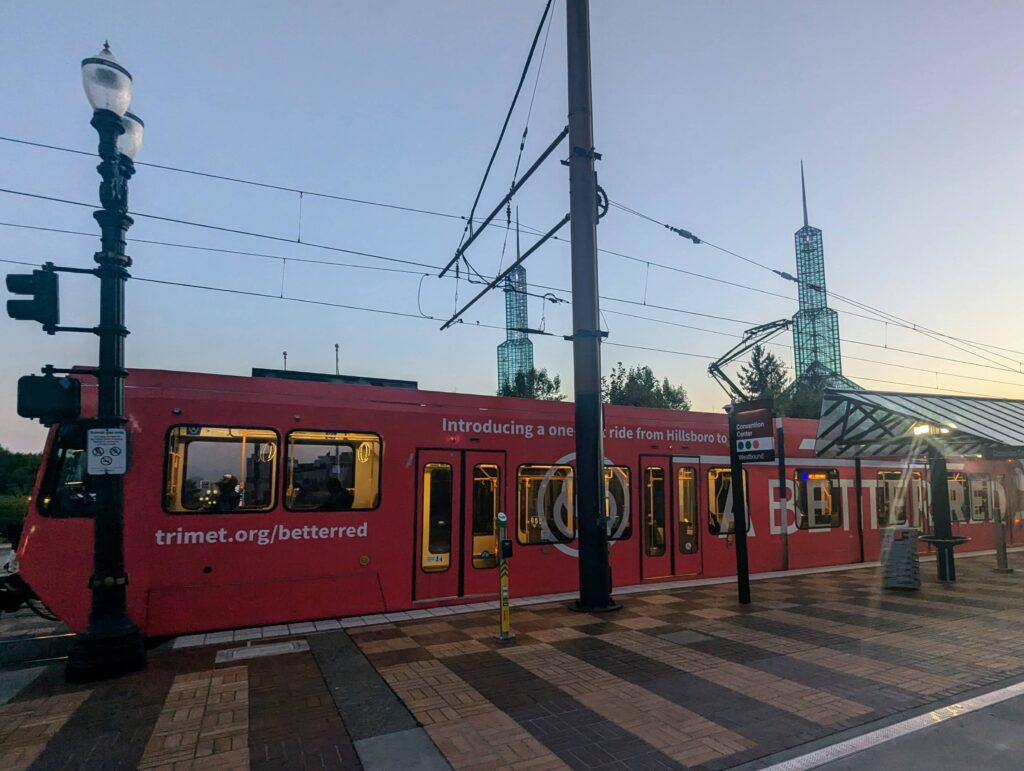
x=263 y=536
x=919 y=497
x=494 y=427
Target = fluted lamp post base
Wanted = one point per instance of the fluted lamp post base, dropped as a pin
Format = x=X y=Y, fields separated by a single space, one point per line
x=104 y=651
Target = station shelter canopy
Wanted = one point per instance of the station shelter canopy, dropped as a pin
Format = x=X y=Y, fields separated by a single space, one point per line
x=878 y=423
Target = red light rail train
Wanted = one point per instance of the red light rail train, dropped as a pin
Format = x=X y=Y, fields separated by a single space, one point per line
x=254 y=500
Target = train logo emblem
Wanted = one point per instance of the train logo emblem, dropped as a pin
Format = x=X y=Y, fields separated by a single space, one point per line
x=563 y=511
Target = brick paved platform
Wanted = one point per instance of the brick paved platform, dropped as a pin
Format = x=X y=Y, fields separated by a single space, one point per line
x=678 y=678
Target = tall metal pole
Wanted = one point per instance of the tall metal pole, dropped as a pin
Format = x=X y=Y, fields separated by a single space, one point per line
x=780 y=454
x=858 y=483
x=941 y=518
x=999 y=522
x=111 y=645
x=595 y=575
x=739 y=513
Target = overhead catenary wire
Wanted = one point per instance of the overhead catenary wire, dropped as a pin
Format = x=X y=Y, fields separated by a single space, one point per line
x=220 y=228
x=775 y=344
x=550 y=297
x=522 y=147
x=897 y=321
x=424 y=275
x=448 y=215
x=250 y=182
x=508 y=117
x=290 y=298
x=885 y=315
x=649 y=263
x=859 y=377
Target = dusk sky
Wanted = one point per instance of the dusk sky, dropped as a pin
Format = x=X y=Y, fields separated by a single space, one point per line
x=908 y=117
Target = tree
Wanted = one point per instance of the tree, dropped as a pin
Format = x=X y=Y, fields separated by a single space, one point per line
x=638 y=387
x=803 y=399
x=17 y=471
x=765 y=377
x=17 y=475
x=534 y=384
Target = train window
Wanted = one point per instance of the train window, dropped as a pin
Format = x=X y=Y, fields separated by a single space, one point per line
x=616 y=503
x=818 y=499
x=980 y=504
x=437 y=517
x=332 y=471
x=544 y=507
x=654 y=511
x=486 y=502
x=890 y=498
x=64 y=491
x=686 y=481
x=220 y=469
x=720 y=500
x=959 y=497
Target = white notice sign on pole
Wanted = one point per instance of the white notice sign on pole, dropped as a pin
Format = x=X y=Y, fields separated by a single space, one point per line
x=107 y=451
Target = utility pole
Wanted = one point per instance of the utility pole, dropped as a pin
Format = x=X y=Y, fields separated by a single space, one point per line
x=595 y=573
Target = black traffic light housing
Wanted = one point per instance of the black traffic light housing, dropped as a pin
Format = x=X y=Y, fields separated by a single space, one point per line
x=51 y=399
x=44 y=306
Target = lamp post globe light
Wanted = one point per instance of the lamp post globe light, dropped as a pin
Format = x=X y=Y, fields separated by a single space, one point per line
x=111 y=644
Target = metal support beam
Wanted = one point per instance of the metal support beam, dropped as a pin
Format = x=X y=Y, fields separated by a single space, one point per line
x=739 y=513
x=858 y=483
x=780 y=454
x=501 y=277
x=508 y=197
x=941 y=520
x=595 y=573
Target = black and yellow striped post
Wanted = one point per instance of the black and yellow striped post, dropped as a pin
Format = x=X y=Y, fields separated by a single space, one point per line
x=504 y=552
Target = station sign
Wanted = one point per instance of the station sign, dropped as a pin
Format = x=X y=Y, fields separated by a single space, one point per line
x=107 y=451
x=754 y=438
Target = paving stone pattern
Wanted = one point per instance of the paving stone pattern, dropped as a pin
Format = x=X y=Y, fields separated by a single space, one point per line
x=686 y=678
x=680 y=678
x=183 y=712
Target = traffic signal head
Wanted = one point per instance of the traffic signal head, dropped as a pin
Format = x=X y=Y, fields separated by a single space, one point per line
x=44 y=306
x=51 y=399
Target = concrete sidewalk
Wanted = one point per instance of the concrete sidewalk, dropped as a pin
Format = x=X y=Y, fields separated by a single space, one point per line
x=680 y=678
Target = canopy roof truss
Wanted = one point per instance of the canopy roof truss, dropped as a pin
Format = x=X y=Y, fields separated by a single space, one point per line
x=877 y=423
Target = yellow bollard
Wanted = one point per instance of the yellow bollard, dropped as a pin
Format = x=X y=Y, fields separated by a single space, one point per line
x=504 y=552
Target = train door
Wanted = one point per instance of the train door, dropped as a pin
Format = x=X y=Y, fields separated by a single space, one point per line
x=670 y=502
x=458 y=497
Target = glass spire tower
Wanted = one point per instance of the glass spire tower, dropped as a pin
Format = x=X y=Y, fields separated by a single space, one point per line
x=815 y=325
x=515 y=355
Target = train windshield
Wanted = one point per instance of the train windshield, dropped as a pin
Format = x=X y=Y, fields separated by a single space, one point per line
x=64 y=491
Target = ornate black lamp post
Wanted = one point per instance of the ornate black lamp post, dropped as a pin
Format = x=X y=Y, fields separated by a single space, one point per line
x=111 y=645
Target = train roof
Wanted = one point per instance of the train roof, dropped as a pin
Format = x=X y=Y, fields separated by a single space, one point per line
x=191 y=386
